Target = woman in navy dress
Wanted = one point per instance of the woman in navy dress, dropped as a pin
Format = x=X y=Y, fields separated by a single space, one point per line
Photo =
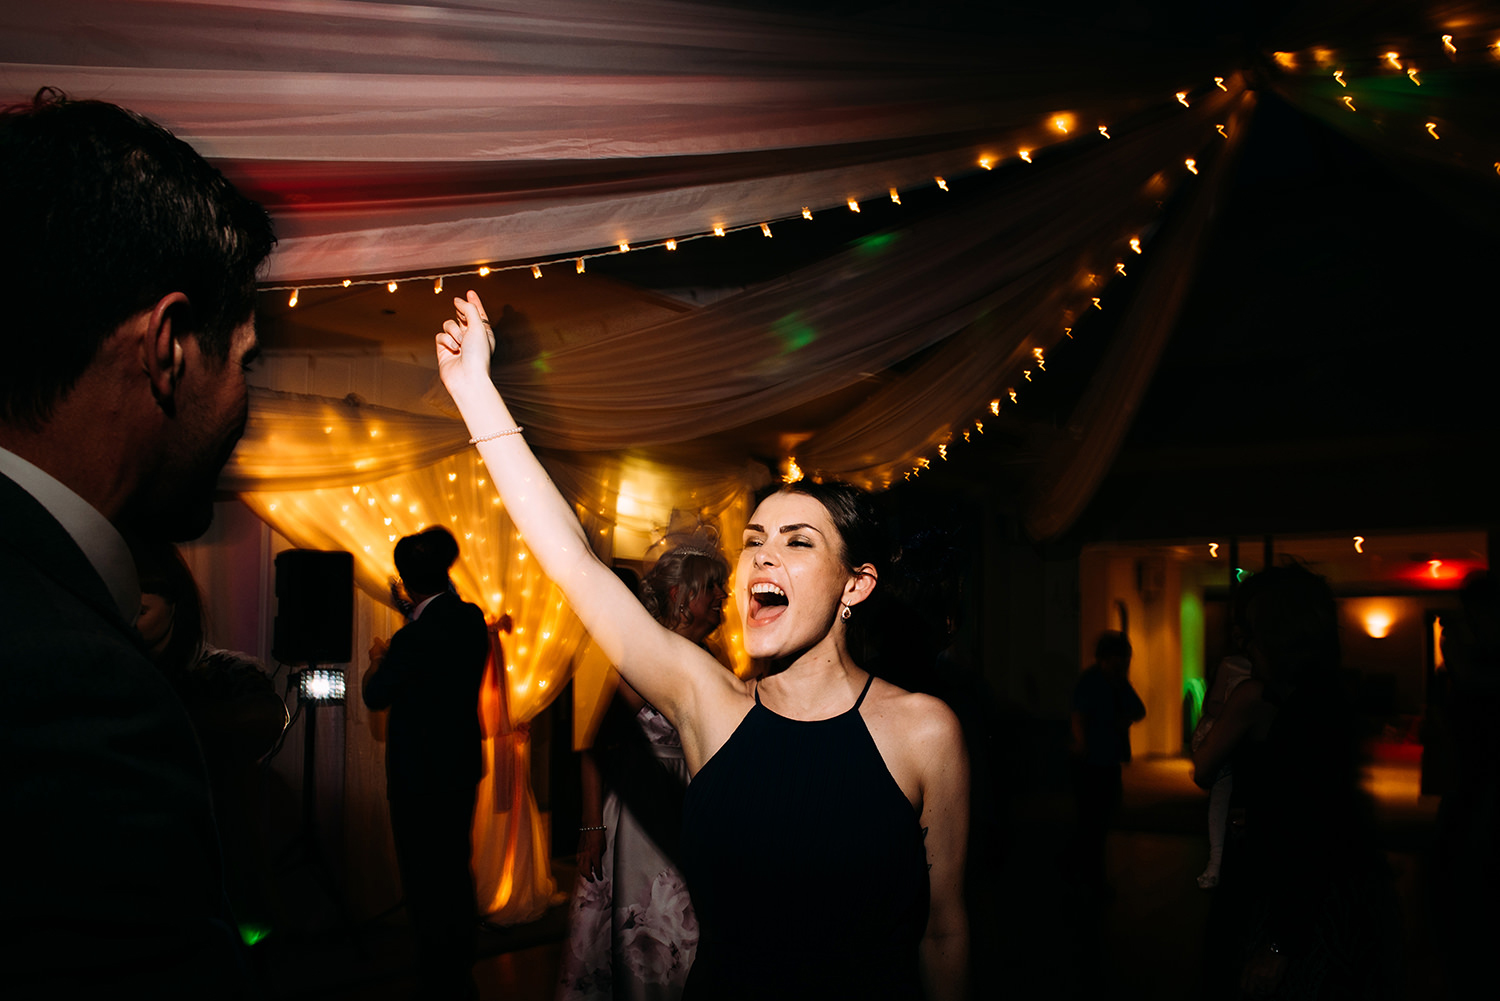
x=825 y=826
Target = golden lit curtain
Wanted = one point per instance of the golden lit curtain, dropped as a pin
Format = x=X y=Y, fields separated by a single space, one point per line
x=294 y=441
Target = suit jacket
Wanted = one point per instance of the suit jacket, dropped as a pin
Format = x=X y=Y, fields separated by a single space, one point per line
x=113 y=870
x=430 y=681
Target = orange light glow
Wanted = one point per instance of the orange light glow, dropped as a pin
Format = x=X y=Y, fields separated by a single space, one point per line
x=1026 y=155
x=1448 y=44
x=671 y=244
x=390 y=286
x=1104 y=131
x=348 y=282
x=1378 y=623
x=941 y=183
x=853 y=205
x=895 y=196
x=536 y=271
x=1120 y=268
x=806 y=212
x=1433 y=566
x=1213 y=550
x=718 y=231
x=293 y=300
x=1096 y=303
x=1411 y=73
x=1349 y=103
x=1394 y=58
x=1191 y=164
x=987 y=163
x=1221 y=131
x=1432 y=130
x=1359 y=544
x=1182 y=99
x=1135 y=244
x=995 y=407
x=1219 y=83
x=1286 y=60
x=578 y=265
x=437 y=286
x=1062 y=122
x=1339 y=76
x=765 y=229
x=1012 y=394
x=484 y=270
x=625 y=247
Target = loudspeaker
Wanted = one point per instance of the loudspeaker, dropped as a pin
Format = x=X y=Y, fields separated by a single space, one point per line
x=314 y=607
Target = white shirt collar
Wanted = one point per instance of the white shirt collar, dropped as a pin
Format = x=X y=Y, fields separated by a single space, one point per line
x=416 y=612
x=100 y=541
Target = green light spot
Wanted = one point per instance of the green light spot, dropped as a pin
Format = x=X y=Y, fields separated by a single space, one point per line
x=1190 y=615
x=1241 y=575
x=253 y=933
x=875 y=242
x=541 y=364
x=793 y=333
x=1195 y=688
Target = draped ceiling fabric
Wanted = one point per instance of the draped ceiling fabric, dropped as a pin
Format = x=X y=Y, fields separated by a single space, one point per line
x=396 y=140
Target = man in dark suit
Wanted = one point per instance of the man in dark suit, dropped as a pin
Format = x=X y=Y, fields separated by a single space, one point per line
x=122 y=393
x=429 y=678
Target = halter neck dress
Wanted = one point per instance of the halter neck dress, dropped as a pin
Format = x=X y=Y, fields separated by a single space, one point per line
x=806 y=865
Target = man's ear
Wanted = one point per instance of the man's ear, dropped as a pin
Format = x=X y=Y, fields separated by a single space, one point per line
x=162 y=358
x=861 y=584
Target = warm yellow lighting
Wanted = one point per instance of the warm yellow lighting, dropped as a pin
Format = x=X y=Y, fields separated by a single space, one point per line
x=718 y=231
x=1359 y=544
x=671 y=244
x=1012 y=394
x=1411 y=73
x=995 y=407
x=1432 y=130
x=624 y=247
x=1221 y=131
x=1286 y=60
x=1323 y=56
x=987 y=163
x=328 y=429
x=895 y=196
x=1068 y=331
x=765 y=229
x=1182 y=99
x=979 y=426
x=437 y=286
x=1026 y=374
x=806 y=212
x=793 y=471
x=966 y=435
x=1191 y=164
x=293 y=300
x=1219 y=83
x=1061 y=124
x=1120 y=268
x=1135 y=244
x=1026 y=155
x=1096 y=302
x=943 y=452
x=484 y=270
x=1213 y=550
x=1394 y=58
x=924 y=462
x=941 y=183
x=348 y=282
x=1378 y=623
x=1433 y=566
x=390 y=286
x=1339 y=76
x=536 y=271
x=578 y=265
x=853 y=205
x=1036 y=353
x=1448 y=44
x=356 y=491
x=1349 y=103
x=1104 y=131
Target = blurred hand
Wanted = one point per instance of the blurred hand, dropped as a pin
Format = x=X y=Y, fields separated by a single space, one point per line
x=591 y=854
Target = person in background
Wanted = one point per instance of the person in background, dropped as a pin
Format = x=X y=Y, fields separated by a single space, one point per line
x=133 y=263
x=632 y=930
x=429 y=676
x=1233 y=669
x=1105 y=706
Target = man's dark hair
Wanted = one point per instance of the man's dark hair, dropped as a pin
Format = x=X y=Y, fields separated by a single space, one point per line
x=102 y=213
x=1112 y=644
x=423 y=560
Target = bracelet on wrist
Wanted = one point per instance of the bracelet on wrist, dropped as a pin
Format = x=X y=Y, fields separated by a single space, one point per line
x=601 y=827
x=495 y=434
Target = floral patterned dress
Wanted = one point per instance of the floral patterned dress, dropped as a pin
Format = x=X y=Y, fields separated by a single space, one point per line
x=632 y=933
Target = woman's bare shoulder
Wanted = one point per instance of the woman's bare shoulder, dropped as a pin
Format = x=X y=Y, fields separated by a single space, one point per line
x=922 y=719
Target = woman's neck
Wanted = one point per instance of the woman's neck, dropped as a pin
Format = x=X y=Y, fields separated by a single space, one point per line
x=812 y=685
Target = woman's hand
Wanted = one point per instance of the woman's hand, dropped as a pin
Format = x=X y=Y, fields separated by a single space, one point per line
x=464 y=348
x=591 y=854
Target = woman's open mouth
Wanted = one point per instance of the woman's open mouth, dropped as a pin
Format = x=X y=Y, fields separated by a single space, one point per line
x=767 y=602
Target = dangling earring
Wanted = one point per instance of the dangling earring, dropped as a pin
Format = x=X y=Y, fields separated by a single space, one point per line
x=845 y=613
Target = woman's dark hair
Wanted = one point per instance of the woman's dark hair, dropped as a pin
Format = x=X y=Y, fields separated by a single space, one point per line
x=164 y=572
x=108 y=212
x=853 y=513
x=691 y=571
x=1289 y=613
x=423 y=560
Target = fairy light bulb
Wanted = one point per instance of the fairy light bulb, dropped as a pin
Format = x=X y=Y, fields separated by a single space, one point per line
x=390 y=286
x=1411 y=74
x=1432 y=130
x=1104 y=131
x=348 y=282
x=987 y=163
x=671 y=244
x=1221 y=131
x=1359 y=544
x=293 y=300
x=1394 y=58
x=1339 y=76
x=1095 y=300
x=943 y=452
x=1061 y=124
x=995 y=408
x=1135 y=244
x=1448 y=45
x=853 y=205
x=1026 y=155
x=806 y=212
x=1026 y=374
x=718 y=231
x=895 y=196
x=437 y=286
x=1120 y=268
x=1182 y=99
x=765 y=229
x=1349 y=103
x=1068 y=332
x=1219 y=83
x=536 y=271
x=1213 y=550
x=941 y=183
x=625 y=247
x=484 y=271
x=578 y=265
x=1012 y=394
x=1191 y=164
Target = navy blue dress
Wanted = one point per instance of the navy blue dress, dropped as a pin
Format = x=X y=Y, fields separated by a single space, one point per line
x=806 y=865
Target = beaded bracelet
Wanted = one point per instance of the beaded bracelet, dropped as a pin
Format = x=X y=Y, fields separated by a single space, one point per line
x=495 y=434
x=601 y=827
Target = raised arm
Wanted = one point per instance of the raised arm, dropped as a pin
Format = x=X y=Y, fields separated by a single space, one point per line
x=665 y=668
x=1245 y=711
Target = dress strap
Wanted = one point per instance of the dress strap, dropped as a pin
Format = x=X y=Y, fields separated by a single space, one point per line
x=757 y=691
x=863 y=692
